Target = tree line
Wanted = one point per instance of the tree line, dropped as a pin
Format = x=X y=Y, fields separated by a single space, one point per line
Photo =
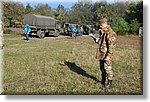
x=122 y=16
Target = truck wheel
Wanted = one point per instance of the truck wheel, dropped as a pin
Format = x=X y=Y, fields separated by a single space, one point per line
x=56 y=34
x=41 y=34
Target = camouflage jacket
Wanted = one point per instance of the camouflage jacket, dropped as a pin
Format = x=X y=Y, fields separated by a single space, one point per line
x=106 y=44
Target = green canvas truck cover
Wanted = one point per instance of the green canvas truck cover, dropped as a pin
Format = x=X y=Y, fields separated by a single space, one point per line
x=38 y=20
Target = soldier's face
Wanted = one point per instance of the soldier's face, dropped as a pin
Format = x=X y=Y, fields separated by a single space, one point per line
x=103 y=25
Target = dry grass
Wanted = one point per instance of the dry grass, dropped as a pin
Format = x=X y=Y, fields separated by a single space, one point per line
x=68 y=66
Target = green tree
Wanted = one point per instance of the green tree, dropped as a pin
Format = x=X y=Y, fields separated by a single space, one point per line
x=134 y=26
x=81 y=13
x=103 y=9
x=12 y=11
x=28 y=9
x=119 y=8
x=119 y=25
x=61 y=13
x=134 y=11
x=43 y=9
x=139 y=12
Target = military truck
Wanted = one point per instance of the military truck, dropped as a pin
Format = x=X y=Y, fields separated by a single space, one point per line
x=42 y=25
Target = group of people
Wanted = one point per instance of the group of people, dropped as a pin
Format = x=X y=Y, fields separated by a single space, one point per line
x=27 y=30
x=106 y=44
x=72 y=31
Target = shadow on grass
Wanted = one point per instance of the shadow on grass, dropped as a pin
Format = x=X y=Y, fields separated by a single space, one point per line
x=79 y=70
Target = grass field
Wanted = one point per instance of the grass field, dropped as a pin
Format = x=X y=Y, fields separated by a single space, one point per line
x=35 y=67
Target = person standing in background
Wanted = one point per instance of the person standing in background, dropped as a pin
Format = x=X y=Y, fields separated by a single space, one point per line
x=74 y=31
x=27 y=30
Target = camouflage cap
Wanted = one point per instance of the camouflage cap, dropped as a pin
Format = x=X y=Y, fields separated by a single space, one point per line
x=103 y=20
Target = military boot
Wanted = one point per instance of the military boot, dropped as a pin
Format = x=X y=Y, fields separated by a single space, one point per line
x=103 y=87
x=109 y=85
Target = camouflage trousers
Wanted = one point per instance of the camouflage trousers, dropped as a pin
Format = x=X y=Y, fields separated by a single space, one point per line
x=106 y=69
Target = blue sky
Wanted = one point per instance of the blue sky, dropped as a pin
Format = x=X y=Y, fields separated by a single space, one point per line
x=54 y=3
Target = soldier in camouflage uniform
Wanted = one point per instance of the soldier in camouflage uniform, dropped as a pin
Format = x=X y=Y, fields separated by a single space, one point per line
x=105 y=52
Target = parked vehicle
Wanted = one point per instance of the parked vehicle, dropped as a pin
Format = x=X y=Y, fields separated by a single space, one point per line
x=42 y=25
